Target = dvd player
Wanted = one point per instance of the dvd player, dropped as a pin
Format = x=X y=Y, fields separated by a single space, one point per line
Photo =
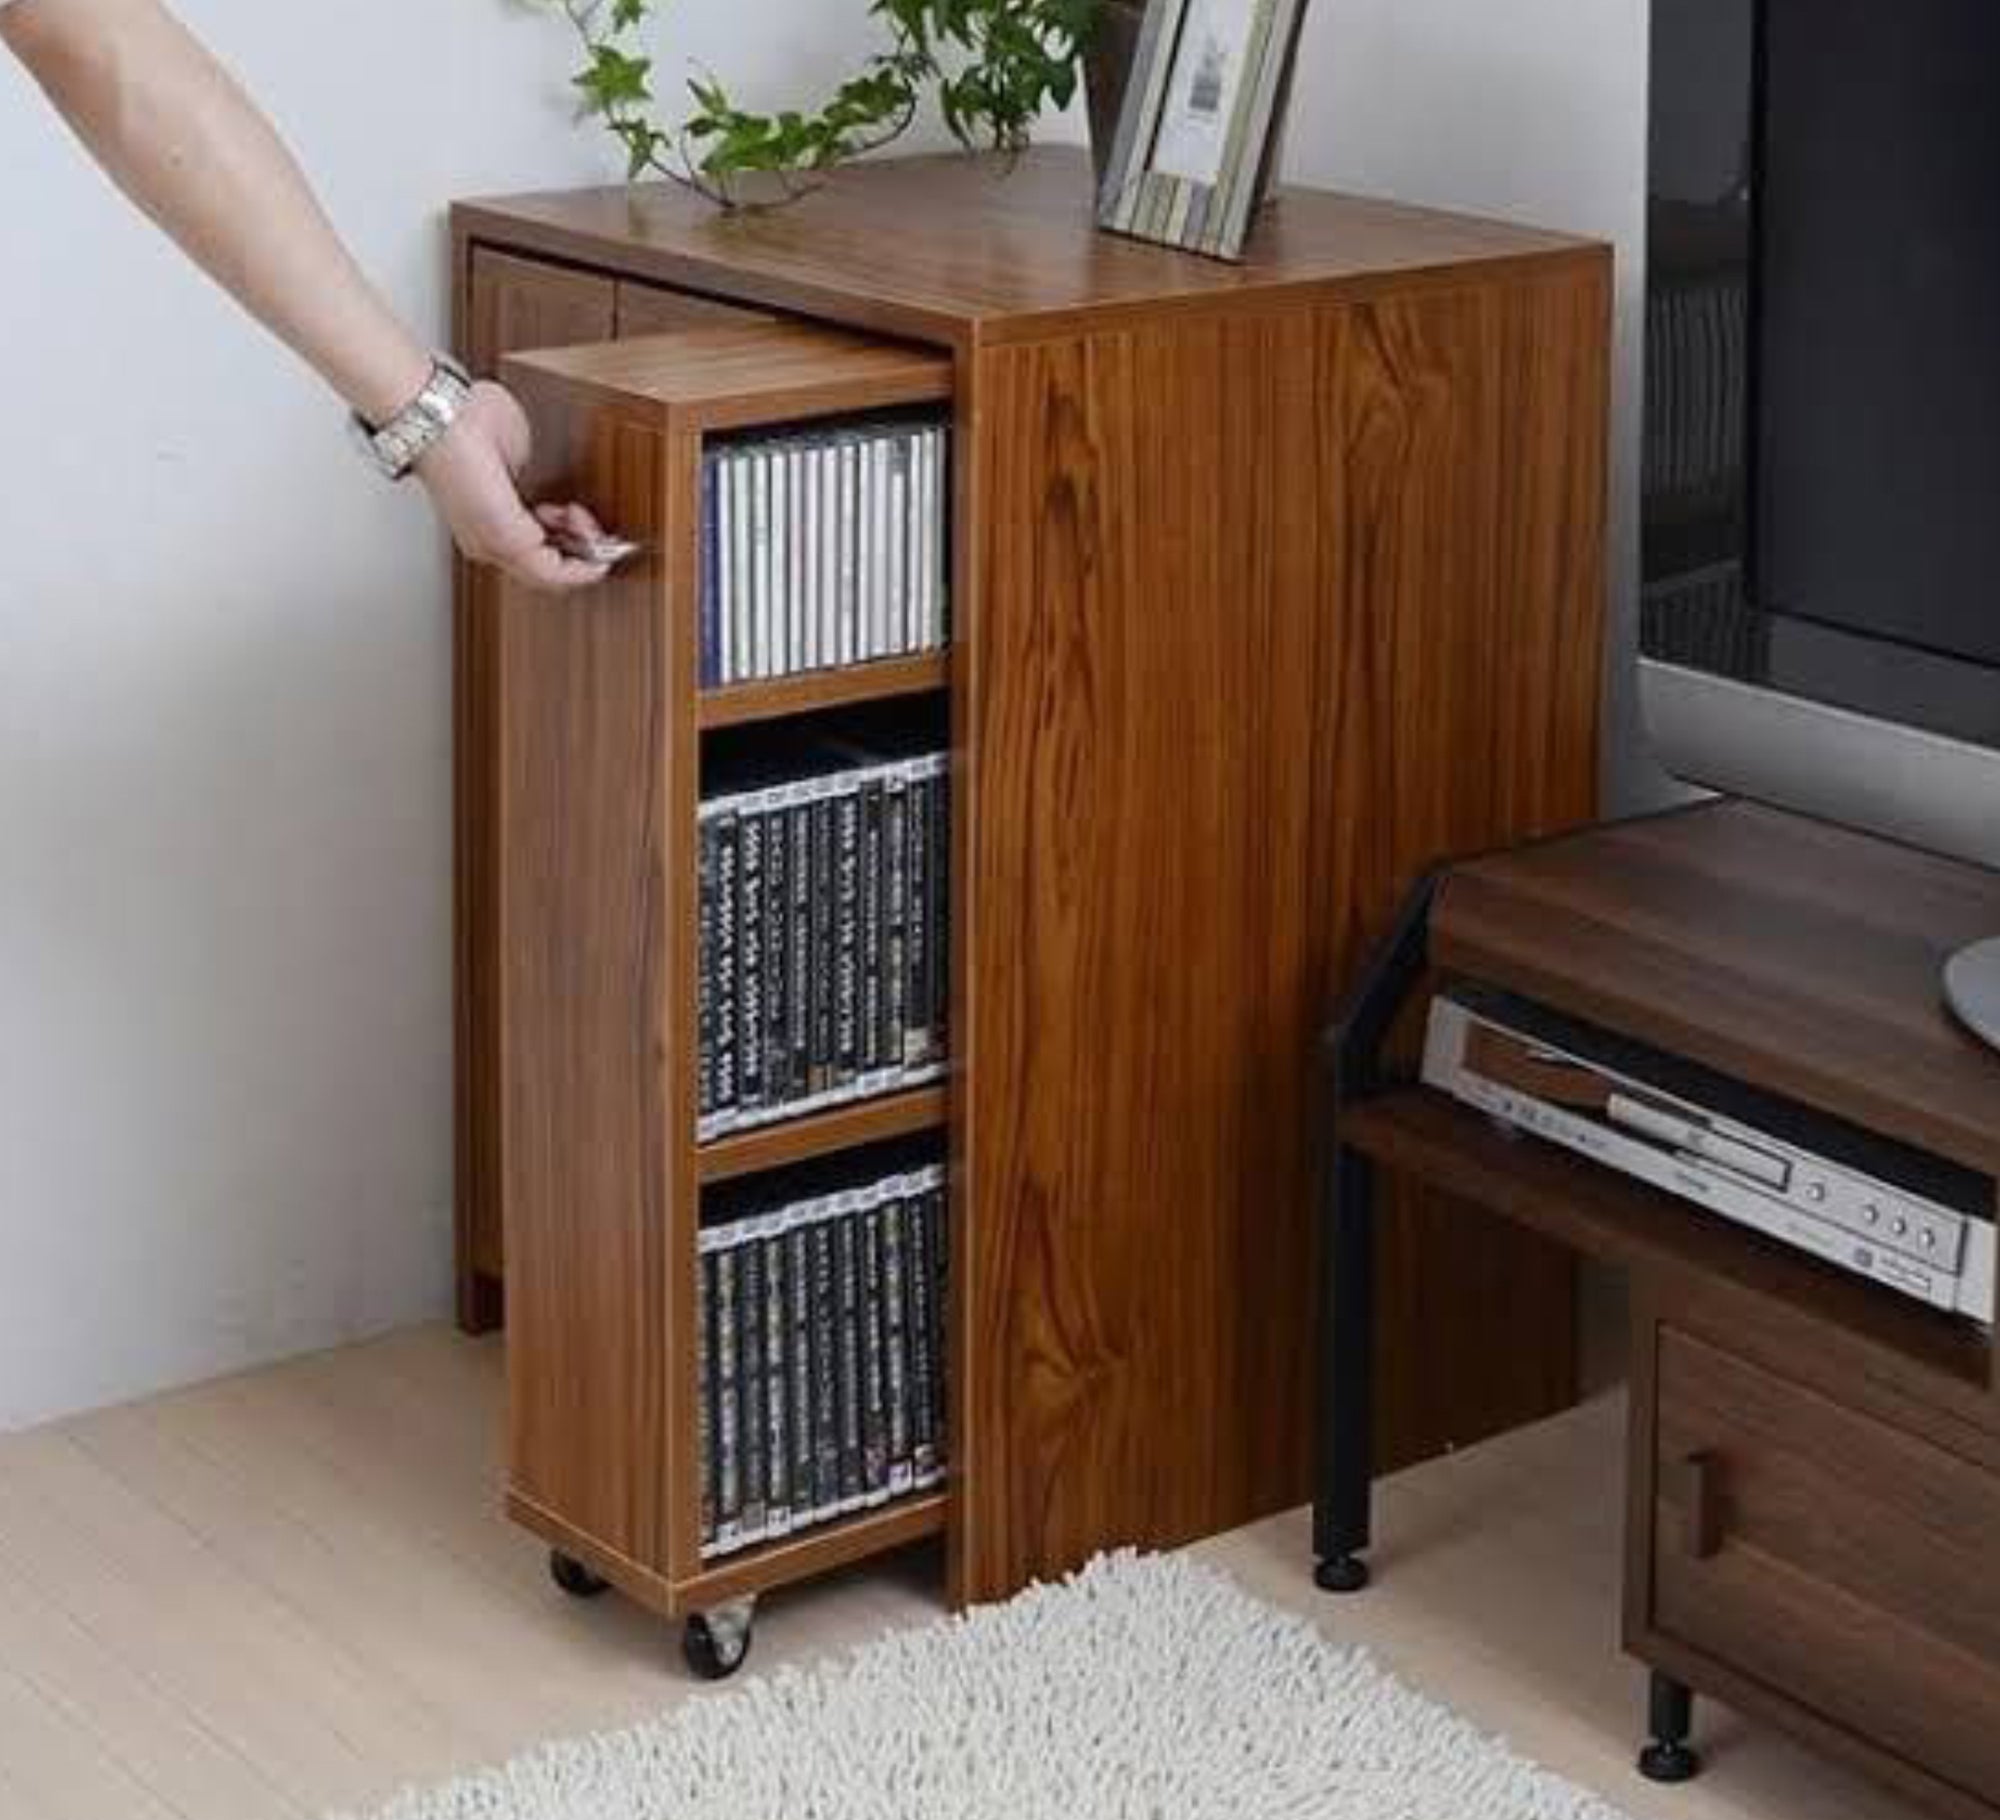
x=1879 y=1209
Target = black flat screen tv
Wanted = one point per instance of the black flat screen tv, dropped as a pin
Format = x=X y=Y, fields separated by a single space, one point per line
x=1820 y=609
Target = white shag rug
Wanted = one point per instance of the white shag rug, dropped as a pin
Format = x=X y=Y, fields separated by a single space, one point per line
x=1143 y=1689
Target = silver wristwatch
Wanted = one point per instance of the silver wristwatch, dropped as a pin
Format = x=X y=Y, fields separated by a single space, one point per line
x=395 y=447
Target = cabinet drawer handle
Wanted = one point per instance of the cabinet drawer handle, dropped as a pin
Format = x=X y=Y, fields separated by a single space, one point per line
x=1701 y=1515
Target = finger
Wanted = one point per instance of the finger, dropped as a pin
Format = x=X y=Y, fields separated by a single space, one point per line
x=555 y=518
x=550 y=571
x=571 y=520
x=514 y=531
x=586 y=524
x=521 y=548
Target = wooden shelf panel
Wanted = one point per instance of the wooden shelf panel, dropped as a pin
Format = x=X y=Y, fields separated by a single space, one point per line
x=817 y=1551
x=1627 y=1223
x=1772 y=948
x=745 y=703
x=819 y=1134
x=735 y=376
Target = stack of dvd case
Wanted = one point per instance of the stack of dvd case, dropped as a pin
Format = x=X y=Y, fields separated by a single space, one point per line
x=823 y=547
x=823 y=938
x=822 y=1348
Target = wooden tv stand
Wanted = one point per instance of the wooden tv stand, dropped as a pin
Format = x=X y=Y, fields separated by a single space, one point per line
x=1815 y=1462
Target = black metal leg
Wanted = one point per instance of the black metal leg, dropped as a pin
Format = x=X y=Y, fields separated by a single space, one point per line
x=1670 y=1715
x=1344 y=1493
x=1341 y=1510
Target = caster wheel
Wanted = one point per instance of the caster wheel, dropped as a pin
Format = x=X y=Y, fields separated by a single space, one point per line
x=1341 y=1574
x=716 y=1644
x=1669 y=1763
x=574 y=1578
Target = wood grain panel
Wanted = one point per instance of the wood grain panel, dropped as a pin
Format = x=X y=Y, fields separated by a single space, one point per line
x=523 y=303
x=1771 y=947
x=589 y=894
x=806 y=1554
x=728 y=376
x=742 y=704
x=822 y=1134
x=507 y=304
x=1272 y=610
x=1850 y=1567
x=653 y=309
x=964 y=251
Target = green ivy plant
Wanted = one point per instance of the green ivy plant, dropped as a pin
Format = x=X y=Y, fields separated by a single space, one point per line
x=993 y=65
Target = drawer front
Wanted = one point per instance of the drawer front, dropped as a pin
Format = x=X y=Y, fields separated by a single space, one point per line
x=517 y=304
x=652 y=309
x=1850 y=1567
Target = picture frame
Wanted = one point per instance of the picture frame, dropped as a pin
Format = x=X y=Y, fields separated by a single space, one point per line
x=1197 y=135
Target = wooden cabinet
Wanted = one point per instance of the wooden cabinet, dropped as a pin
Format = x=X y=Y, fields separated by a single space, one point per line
x=598 y=789
x=1274 y=584
x=1828 y=1553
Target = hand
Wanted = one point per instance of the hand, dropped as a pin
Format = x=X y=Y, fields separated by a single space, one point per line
x=470 y=475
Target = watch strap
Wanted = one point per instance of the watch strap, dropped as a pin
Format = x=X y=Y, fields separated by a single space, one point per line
x=395 y=447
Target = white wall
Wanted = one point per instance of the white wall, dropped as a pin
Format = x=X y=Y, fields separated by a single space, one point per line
x=1533 y=110
x=225 y=1119
x=224 y=874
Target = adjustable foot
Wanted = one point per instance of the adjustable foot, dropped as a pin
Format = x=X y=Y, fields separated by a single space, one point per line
x=1661 y=1762
x=1341 y=1574
x=1668 y=1757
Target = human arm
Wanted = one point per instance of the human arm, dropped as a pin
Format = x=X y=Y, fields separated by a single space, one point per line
x=178 y=135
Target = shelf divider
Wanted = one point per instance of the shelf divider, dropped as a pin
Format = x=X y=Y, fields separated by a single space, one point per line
x=825 y=1133
x=743 y=704
x=1634 y=1226
x=819 y=1550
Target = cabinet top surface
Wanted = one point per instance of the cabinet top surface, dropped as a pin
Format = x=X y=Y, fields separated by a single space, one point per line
x=961 y=246
x=1794 y=955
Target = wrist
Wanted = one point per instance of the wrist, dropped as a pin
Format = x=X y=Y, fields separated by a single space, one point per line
x=396 y=445
x=382 y=394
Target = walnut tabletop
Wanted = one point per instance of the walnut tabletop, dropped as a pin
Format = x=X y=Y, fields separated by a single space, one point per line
x=1781 y=950
x=959 y=249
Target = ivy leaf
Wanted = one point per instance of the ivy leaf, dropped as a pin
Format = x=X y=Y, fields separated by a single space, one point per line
x=627 y=13
x=643 y=144
x=709 y=95
x=615 y=81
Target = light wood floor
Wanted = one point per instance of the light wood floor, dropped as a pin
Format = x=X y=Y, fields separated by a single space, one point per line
x=291 y=1592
